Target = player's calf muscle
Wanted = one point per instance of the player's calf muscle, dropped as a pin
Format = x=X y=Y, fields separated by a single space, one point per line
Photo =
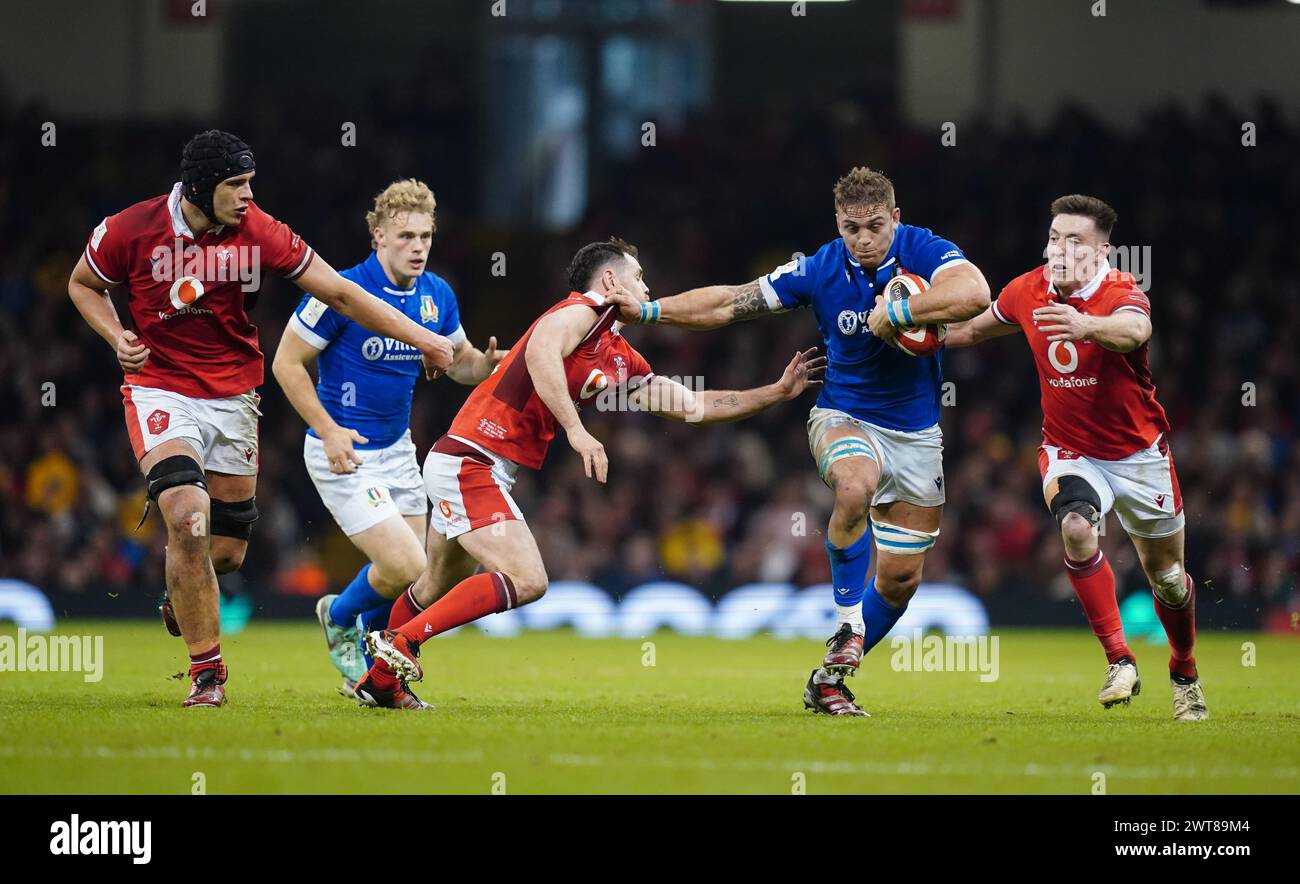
x=530 y=579
x=897 y=577
x=227 y=554
x=513 y=553
x=395 y=571
x=397 y=553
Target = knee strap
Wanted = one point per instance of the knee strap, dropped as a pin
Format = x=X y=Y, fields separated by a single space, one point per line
x=902 y=541
x=842 y=449
x=1075 y=494
x=234 y=519
x=179 y=469
x=1171 y=586
x=171 y=472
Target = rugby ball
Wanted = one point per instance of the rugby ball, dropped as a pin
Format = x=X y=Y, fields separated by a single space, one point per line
x=915 y=340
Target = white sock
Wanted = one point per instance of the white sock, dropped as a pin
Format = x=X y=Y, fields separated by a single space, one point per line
x=852 y=615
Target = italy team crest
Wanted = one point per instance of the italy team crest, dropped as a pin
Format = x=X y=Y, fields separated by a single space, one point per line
x=428 y=309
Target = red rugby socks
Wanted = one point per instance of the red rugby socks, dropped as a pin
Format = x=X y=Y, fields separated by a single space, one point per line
x=404 y=609
x=1094 y=584
x=472 y=598
x=1180 y=627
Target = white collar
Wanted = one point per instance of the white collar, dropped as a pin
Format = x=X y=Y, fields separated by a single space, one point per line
x=1088 y=290
x=881 y=267
x=617 y=326
x=181 y=227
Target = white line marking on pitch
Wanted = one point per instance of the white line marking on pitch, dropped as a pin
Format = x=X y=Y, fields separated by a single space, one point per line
x=901 y=768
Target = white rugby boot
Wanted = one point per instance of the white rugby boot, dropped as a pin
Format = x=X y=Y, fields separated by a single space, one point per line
x=1121 y=685
x=1189 y=701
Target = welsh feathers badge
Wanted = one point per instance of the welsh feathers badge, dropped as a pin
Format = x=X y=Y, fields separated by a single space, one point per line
x=428 y=309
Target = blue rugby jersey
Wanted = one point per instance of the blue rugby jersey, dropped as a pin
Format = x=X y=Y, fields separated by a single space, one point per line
x=381 y=371
x=865 y=377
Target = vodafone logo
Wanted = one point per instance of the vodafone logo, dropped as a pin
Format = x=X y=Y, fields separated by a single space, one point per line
x=185 y=291
x=596 y=381
x=1054 y=356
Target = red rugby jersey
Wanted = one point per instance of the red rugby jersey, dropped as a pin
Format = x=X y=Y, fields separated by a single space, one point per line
x=186 y=294
x=1095 y=401
x=505 y=415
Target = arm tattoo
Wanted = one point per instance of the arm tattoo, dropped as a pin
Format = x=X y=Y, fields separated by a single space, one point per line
x=748 y=301
x=730 y=399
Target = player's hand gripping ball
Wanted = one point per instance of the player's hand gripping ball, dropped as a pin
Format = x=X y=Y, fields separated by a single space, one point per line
x=914 y=340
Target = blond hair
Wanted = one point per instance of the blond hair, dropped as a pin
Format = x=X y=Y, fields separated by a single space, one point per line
x=864 y=187
x=400 y=198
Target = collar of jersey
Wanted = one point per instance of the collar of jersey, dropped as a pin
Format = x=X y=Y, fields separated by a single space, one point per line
x=379 y=278
x=616 y=327
x=893 y=246
x=180 y=227
x=1088 y=290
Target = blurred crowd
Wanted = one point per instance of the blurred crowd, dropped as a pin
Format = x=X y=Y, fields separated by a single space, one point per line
x=720 y=200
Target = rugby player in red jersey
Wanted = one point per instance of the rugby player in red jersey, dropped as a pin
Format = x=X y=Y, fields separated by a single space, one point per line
x=188 y=259
x=571 y=356
x=1104 y=436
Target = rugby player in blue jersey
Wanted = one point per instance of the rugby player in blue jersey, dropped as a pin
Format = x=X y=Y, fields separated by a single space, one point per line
x=358 y=449
x=874 y=432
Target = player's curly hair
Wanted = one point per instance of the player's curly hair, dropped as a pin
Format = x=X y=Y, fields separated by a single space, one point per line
x=399 y=198
x=864 y=187
x=593 y=257
x=1089 y=207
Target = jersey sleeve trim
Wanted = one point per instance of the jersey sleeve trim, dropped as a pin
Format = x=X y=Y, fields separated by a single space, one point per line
x=457 y=336
x=771 y=297
x=643 y=379
x=90 y=261
x=1132 y=308
x=303 y=264
x=300 y=329
x=945 y=265
x=998 y=313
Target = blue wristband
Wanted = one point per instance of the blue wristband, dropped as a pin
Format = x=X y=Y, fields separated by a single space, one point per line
x=650 y=312
x=893 y=316
x=907 y=312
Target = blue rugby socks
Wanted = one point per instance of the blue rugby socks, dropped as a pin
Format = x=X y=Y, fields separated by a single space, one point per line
x=358 y=598
x=849 y=567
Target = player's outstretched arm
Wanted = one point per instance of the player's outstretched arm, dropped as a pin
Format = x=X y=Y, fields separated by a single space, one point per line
x=1122 y=331
x=698 y=309
x=470 y=365
x=363 y=308
x=292 y=357
x=670 y=399
x=978 y=330
x=554 y=337
x=90 y=296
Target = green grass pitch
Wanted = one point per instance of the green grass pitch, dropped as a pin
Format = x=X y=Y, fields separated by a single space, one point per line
x=554 y=712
